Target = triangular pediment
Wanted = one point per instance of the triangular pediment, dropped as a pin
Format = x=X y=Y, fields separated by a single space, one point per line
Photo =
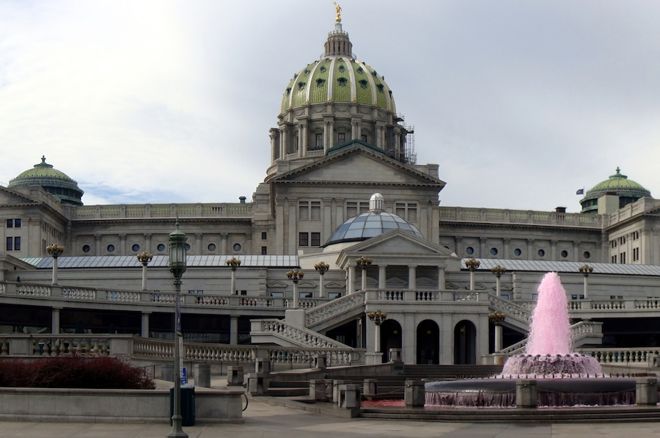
x=399 y=243
x=357 y=164
x=11 y=197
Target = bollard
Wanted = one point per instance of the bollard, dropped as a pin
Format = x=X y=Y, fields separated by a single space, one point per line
x=414 y=393
x=318 y=390
x=202 y=373
x=370 y=388
x=235 y=375
x=335 y=390
x=349 y=396
x=526 y=396
x=646 y=391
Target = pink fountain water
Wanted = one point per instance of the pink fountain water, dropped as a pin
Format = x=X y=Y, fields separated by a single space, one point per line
x=548 y=349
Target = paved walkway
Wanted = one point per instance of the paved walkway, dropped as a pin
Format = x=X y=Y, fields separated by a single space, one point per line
x=264 y=420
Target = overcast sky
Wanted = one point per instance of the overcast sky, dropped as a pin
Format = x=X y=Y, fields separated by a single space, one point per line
x=520 y=102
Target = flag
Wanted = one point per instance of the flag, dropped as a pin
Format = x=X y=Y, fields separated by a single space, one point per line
x=580 y=191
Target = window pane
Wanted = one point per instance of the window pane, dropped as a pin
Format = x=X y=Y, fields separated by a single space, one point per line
x=10 y=244
x=316 y=211
x=17 y=223
x=10 y=223
x=17 y=243
x=303 y=210
x=303 y=239
x=316 y=239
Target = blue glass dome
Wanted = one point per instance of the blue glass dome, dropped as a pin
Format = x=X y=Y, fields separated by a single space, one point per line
x=371 y=224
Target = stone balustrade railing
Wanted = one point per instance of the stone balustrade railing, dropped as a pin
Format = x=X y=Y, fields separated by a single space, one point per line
x=501 y=216
x=615 y=305
x=88 y=294
x=334 y=308
x=90 y=212
x=579 y=331
x=299 y=336
x=624 y=356
x=415 y=296
x=46 y=345
x=510 y=309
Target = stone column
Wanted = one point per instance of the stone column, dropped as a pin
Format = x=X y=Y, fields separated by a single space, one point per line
x=355 y=129
x=145 y=324
x=441 y=278
x=273 y=144
x=233 y=330
x=382 y=277
x=304 y=136
x=350 y=288
x=363 y=282
x=55 y=321
x=296 y=296
x=412 y=277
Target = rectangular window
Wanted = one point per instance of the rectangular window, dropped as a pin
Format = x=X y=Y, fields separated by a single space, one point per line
x=316 y=239
x=17 y=243
x=406 y=210
x=315 y=210
x=364 y=138
x=264 y=250
x=303 y=210
x=10 y=244
x=10 y=223
x=351 y=209
x=613 y=259
x=309 y=210
x=303 y=239
x=623 y=258
x=17 y=223
x=341 y=137
x=318 y=140
x=264 y=235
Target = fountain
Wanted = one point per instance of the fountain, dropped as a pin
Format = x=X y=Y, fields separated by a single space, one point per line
x=562 y=378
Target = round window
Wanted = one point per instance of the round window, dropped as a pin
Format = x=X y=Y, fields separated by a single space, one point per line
x=493 y=251
x=587 y=255
x=135 y=247
x=86 y=248
x=110 y=248
x=160 y=247
x=212 y=247
x=541 y=252
x=237 y=247
x=564 y=254
x=517 y=252
x=469 y=250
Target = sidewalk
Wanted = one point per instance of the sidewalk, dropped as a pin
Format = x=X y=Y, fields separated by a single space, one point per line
x=264 y=420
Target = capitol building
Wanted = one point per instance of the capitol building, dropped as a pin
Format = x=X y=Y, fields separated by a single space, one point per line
x=345 y=206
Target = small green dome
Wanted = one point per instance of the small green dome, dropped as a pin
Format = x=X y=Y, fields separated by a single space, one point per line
x=338 y=78
x=52 y=180
x=618 y=184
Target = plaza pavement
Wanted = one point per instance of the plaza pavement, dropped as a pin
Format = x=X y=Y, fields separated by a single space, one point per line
x=263 y=420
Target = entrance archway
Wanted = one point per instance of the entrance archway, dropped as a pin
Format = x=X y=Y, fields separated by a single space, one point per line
x=465 y=343
x=428 y=342
x=390 y=337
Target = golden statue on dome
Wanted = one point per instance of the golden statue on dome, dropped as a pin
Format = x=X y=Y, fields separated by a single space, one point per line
x=337 y=13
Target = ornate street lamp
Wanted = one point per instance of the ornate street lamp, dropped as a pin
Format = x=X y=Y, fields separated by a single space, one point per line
x=378 y=317
x=295 y=275
x=144 y=257
x=54 y=250
x=472 y=264
x=498 y=271
x=586 y=270
x=233 y=263
x=177 y=243
x=362 y=264
x=321 y=268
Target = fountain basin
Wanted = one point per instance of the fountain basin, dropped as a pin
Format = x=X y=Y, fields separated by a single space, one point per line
x=501 y=392
x=547 y=365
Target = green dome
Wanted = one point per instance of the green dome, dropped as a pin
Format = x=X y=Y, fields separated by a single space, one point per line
x=618 y=184
x=52 y=180
x=338 y=78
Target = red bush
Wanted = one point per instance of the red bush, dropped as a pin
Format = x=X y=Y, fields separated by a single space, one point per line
x=73 y=372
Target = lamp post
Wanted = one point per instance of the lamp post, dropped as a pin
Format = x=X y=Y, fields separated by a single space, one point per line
x=378 y=317
x=362 y=263
x=321 y=268
x=586 y=270
x=498 y=271
x=144 y=257
x=177 y=243
x=472 y=264
x=233 y=263
x=54 y=250
x=295 y=275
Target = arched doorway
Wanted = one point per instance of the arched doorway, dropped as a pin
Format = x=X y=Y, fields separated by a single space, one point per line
x=428 y=342
x=465 y=343
x=390 y=337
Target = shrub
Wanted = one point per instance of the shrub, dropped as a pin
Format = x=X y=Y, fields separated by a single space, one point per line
x=74 y=372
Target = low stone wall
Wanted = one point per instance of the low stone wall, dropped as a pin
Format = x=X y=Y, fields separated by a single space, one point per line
x=113 y=405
